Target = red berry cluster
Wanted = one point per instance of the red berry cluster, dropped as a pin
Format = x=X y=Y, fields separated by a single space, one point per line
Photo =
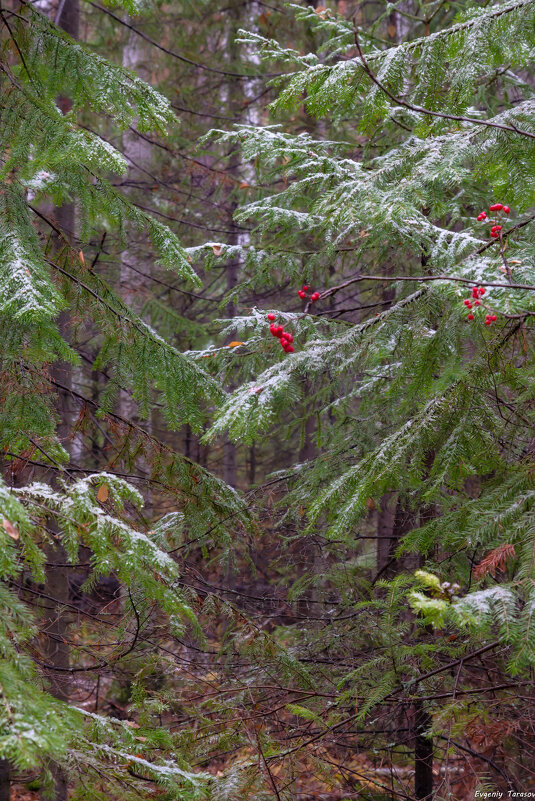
x=477 y=292
x=495 y=229
x=285 y=337
x=303 y=294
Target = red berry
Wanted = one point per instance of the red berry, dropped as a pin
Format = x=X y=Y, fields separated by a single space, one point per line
x=481 y=290
x=477 y=303
x=289 y=349
x=488 y=321
x=273 y=329
x=506 y=209
x=470 y=317
x=483 y=215
x=493 y=318
x=495 y=234
x=305 y=288
x=271 y=317
x=279 y=331
x=314 y=296
x=467 y=303
x=475 y=292
x=496 y=207
x=496 y=228
x=284 y=341
x=302 y=294
x=289 y=337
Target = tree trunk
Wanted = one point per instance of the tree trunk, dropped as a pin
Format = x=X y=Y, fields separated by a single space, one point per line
x=246 y=89
x=5 y=781
x=56 y=652
x=136 y=267
x=55 y=623
x=423 y=754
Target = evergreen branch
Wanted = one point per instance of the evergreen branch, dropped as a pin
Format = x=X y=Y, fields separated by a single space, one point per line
x=420 y=109
x=392 y=694
x=86 y=471
x=16 y=44
x=161 y=446
x=459 y=27
x=422 y=279
x=128 y=317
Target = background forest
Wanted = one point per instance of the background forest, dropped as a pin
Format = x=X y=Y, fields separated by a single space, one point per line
x=267 y=490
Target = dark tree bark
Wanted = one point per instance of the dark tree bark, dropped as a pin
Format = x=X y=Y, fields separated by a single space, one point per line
x=5 y=780
x=423 y=754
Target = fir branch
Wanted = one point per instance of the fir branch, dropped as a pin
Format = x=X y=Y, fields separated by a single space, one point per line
x=420 y=110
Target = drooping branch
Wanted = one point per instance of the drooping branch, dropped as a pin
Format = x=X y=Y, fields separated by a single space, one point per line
x=420 y=109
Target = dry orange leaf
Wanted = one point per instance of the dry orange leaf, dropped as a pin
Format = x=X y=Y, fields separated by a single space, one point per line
x=217 y=250
x=10 y=529
x=102 y=494
x=495 y=560
x=235 y=343
x=81 y=257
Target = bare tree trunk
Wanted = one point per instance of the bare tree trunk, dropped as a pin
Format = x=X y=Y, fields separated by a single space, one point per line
x=5 y=780
x=230 y=469
x=423 y=754
x=136 y=267
x=247 y=89
x=56 y=619
x=386 y=540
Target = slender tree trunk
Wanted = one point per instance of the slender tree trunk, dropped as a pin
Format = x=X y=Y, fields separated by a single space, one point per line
x=136 y=267
x=423 y=754
x=55 y=623
x=394 y=521
x=56 y=652
x=246 y=89
x=230 y=469
x=386 y=540
x=5 y=780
